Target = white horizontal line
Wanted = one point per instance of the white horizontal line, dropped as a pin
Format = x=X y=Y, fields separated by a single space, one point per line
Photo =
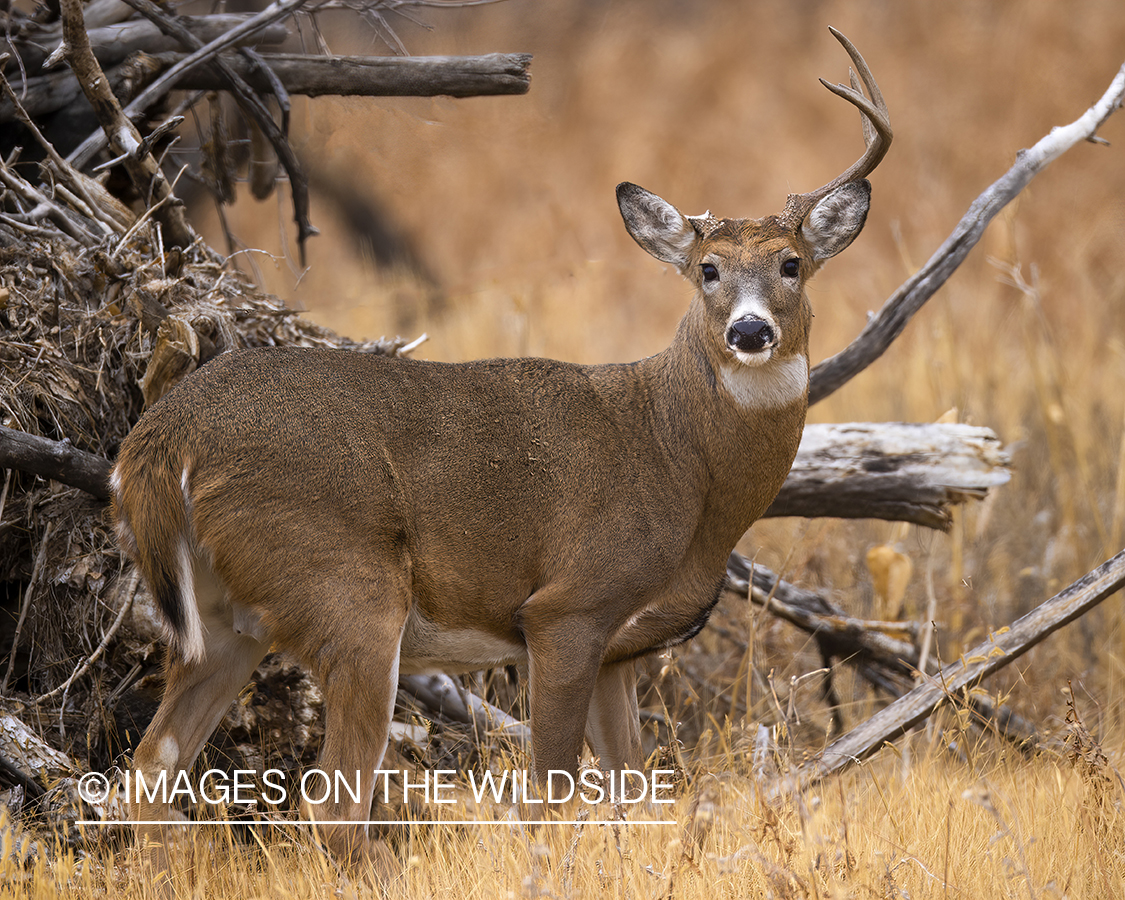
x=231 y=822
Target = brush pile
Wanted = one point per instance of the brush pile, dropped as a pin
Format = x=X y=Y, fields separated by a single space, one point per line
x=91 y=330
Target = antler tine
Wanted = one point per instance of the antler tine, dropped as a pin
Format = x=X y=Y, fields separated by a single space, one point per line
x=865 y=73
x=877 y=133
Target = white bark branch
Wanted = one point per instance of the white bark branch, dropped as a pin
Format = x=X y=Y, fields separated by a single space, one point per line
x=888 y=323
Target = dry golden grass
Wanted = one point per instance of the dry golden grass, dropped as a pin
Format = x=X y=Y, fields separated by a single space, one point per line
x=964 y=819
x=510 y=202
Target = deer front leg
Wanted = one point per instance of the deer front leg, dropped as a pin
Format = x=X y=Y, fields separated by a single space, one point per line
x=564 y=657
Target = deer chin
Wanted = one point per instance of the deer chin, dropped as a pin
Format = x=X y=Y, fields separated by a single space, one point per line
x=770 y=384
x=753 y=359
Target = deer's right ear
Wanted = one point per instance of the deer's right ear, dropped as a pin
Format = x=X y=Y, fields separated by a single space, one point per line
x=656 y=224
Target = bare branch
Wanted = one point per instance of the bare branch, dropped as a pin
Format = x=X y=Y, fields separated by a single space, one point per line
x=130 y=591
x=32 y=583
x=889 y=322
x=57 y=460
x=272 y=13
x=254 y=109
x=977 y=664
x=120 y=131
x=42 y=207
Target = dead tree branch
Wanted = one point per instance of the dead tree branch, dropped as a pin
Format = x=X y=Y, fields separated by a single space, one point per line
x=888 y=323
x=122 y=134
x=373 y=76
x=983 y=660
x=275 y=12
x=57 y=460
x=252 y=107
x=130 y=591
x=42 y=94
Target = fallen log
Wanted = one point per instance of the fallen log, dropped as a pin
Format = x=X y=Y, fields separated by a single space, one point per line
x=891 y=470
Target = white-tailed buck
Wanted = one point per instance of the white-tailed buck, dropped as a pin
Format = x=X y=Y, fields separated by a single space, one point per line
x=377 y=516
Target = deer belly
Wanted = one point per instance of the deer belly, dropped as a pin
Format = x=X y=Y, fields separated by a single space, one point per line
x=429 y=646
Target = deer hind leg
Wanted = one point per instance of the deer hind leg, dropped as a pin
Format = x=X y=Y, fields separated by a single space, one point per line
x=613 y=728
x=196 y=695
x=356 y=659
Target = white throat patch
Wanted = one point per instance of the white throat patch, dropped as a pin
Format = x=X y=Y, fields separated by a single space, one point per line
x=775 y=384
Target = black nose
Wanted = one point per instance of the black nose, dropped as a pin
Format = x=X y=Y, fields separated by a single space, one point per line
x=750 y=335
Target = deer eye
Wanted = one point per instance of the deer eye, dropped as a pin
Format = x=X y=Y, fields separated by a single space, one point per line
x=791 y=268
x=710 y=272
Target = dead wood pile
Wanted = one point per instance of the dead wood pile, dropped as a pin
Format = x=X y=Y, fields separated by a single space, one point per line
x=86 y=332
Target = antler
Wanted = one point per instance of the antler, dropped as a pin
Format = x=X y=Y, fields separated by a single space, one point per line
x=877 y=133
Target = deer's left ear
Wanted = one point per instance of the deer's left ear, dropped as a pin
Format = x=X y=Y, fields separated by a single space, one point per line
x=836 y=220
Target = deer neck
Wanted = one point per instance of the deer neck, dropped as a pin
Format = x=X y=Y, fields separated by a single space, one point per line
x=734 y=430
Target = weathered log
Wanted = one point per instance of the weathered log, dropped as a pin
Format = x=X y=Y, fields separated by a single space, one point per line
x=896 y=471
x=373 y=76
x=25 y=751
x=1001 y=648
